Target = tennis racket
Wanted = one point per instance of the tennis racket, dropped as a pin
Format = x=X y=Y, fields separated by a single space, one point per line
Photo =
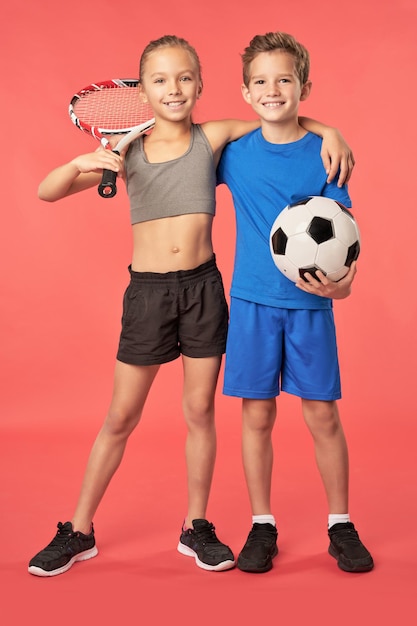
x=111 y=107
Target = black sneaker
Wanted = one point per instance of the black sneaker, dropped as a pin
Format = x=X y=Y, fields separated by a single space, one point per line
x=65 y=549
x=259 y=550
x=201 y=543
x=348 y=549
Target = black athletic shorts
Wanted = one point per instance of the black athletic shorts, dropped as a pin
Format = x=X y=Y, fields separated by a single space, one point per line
x=165 y=315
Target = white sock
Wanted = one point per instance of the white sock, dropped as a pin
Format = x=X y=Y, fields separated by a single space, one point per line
x=337 y=518
x=263 y=519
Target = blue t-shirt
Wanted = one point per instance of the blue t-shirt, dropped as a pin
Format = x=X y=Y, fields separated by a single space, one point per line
x=264 y=178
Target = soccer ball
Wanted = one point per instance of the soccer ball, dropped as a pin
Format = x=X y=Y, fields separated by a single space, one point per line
x=316 y=233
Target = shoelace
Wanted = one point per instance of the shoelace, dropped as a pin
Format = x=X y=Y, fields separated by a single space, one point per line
x=206 y=534
x=260 y=535
x=208 y=537
x=346 y=535
x=61 y=538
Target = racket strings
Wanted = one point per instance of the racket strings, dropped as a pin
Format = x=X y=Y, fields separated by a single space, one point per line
x=113 y=109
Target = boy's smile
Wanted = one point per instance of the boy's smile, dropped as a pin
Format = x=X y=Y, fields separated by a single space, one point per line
x=274 y=90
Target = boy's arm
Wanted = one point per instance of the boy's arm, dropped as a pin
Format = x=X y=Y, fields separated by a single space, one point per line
x=335 y=152
x=327 y=288
x=81 y=173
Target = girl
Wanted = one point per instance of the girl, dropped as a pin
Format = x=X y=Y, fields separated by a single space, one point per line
x=173 y=269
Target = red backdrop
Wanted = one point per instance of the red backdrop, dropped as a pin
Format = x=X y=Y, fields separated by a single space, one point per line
x=63 y=266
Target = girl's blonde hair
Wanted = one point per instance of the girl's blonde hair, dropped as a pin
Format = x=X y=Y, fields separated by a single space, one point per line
x=168 y=41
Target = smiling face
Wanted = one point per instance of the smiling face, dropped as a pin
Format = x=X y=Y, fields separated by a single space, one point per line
x=274 y=90
x=171 y=83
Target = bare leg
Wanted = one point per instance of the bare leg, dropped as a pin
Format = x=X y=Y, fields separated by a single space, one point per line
x=200 y=380
x=322 y=419
x=257 y=452
x=131 y=387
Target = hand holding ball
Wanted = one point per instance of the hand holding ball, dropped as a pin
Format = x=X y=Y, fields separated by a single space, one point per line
x=316 y=233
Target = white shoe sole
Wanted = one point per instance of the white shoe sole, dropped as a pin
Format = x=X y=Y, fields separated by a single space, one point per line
x=224 y=565
x=82 y=556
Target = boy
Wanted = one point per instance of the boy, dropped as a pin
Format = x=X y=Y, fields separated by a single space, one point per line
x=280 y=331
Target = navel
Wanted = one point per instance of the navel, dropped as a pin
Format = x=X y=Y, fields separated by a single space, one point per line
x=175 y=249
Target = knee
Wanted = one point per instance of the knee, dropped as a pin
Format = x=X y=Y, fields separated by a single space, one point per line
x=259 y=418
x=199 y=412
x=120 y=423
x=322 y=417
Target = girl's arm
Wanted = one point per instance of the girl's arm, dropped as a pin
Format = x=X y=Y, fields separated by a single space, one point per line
x=335 y=152
x=229 y=130
x=221 y=132
x=79 y=174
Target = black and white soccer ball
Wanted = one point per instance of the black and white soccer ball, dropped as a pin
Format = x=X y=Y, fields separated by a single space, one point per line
x=316 y=233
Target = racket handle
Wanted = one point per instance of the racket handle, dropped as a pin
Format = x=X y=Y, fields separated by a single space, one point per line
x=108 y=188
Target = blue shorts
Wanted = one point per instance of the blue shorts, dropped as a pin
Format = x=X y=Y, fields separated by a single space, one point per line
x=269 y=348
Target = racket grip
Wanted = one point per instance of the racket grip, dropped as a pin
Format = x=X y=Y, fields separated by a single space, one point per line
x=108 y=188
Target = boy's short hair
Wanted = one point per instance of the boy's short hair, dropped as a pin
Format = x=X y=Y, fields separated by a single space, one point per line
x=277 y=41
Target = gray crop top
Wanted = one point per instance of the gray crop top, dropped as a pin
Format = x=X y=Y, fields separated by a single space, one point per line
x=183 y=185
